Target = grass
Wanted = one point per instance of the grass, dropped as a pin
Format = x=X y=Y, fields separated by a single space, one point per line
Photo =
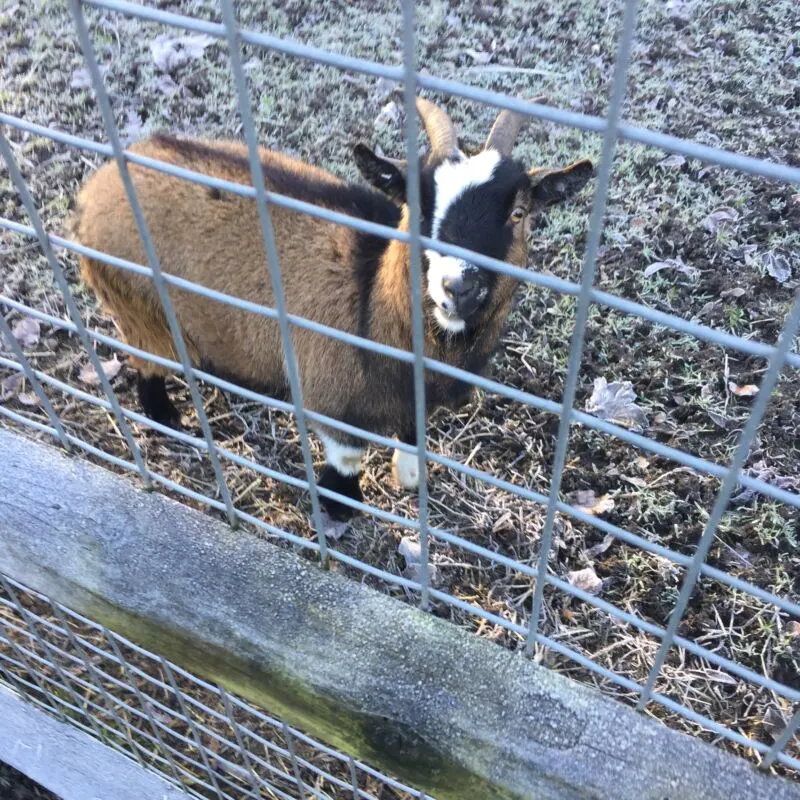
x=723 y=74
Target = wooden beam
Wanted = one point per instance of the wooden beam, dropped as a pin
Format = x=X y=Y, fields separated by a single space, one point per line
x=447 y=712
x=72 y=764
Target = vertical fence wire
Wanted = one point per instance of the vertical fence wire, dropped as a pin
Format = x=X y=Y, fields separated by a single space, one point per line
x=271 y=250
x=301 y=787
x=19 y=353
x=53 y=660
x=417 y=322
x=72 y=307
x=255 y=778
x=729 y=485
x=145 y=706
x=582 y=309
x=152 y=258
x=190 y=722
x=95 y=680
x=779 y=745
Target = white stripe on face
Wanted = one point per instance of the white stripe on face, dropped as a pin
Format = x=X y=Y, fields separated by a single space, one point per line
x=453 y=178
x=440 y=269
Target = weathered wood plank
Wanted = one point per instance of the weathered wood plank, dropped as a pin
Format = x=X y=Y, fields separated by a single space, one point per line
x=70 y=763
x=452 y=714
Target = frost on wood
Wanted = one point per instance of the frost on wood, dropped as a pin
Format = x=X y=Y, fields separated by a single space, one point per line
x=616 y=402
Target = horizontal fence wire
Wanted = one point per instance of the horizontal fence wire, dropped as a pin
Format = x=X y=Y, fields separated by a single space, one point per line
x=198 y=735
x=32 y=657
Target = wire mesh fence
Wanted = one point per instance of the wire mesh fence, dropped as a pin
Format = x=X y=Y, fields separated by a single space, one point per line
x=198 y=735
x=534 y=571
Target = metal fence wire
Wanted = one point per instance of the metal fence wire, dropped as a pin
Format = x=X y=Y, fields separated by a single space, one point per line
x=79 y=669
x=200 y=736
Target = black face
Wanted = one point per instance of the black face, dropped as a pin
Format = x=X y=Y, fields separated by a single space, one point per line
x=467 y=202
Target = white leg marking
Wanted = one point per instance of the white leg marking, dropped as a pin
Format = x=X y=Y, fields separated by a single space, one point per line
x=405 y=468
x=345 y=459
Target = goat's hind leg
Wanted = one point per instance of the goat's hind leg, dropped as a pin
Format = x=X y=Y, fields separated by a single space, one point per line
x=153 y=398
x=342 y=472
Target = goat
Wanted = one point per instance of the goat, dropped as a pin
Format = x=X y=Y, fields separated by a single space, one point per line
x=354 y=281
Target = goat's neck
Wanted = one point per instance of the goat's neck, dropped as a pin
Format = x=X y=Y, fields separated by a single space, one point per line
x=391 y=297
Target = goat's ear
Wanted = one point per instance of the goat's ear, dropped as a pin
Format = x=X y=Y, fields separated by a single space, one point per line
x=385 y=174
x=550 y=186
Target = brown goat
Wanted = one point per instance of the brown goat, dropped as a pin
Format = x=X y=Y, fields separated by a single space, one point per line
x=331 y=274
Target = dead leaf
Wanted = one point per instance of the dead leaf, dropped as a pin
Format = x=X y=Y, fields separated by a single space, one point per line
x=10 y=386
x=27 y=331
x=411 y=551
x=736 y=557
x=675 y=161
x=81 y=79
x=775 y=722
x=750 y=390
x=28 y=398
x=672 y=263
x=389 y=114
x=793 y=629
x=589 y=503
x=615 y=402
x=585 y=579
x=601 y=547
x=715 y=675
x=171 y=52
x=165 y=84
x=478 y=56
x=763 y=472
x=633 y=480
x=777 y=266
x=735 y=292
x=111 y=369
x=334 y=529
x=723 y=217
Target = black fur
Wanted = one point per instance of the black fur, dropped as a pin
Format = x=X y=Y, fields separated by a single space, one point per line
x=275 y=391
x=155 y=401
x=347 y=485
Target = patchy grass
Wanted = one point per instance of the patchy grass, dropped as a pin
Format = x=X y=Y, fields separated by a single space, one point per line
x=724 y=74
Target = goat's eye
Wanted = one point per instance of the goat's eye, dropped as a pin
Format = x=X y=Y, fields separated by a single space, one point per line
x=517 y=215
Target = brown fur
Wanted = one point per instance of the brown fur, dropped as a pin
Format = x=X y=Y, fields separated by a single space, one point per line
x=213 y=238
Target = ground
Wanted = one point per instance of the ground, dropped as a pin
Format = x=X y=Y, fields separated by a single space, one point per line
x=723 y=73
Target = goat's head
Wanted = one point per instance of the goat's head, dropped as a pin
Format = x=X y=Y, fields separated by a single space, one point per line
x=482 y=202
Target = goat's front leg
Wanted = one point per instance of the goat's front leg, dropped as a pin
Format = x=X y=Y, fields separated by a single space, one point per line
x=405 y=466
x=341 y=474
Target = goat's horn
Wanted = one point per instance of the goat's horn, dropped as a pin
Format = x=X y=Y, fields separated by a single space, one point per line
x=438 y=126
x=506 y=128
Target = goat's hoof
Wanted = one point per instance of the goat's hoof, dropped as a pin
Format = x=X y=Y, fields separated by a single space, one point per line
x=347 y=485
x=405 y=469
x=170 y=419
